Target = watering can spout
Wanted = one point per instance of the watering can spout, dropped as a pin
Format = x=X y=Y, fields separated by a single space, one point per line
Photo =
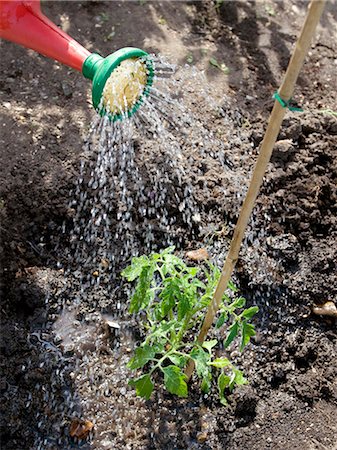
x=91 y=65
x=22 y=22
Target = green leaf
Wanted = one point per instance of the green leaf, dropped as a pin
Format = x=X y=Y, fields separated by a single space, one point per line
x=172 y=263
x=221 y=320
x=247 y=331
x=143 y=294
x=233 y=332
x=143 y=385
x=167 y=250
x=250 y=312
x=238 y=303
x=135 y=268
x=142 y=356
x=210 y=344
x=218 y=4
x=183 y=306
x=198 y=284
x=206 y=383
x=174 y=380
x=193 y=271
x=158 y=335
x=237 y=379
x=214 y=62
x=178 y=360
x=220 y=363
x=166 y=306
x=232 y=286
x=189 y=58
x=201 y=359
x=169 y=295
x=223 y=383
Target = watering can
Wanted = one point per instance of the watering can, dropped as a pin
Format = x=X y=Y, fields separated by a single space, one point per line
x=130 y=69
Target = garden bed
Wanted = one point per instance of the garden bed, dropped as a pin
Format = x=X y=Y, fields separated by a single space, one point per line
x=289 y=266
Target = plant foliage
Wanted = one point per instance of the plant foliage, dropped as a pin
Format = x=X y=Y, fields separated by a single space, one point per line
x=173 y=298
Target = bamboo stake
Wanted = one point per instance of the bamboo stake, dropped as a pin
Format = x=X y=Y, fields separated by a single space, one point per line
x=286 y=90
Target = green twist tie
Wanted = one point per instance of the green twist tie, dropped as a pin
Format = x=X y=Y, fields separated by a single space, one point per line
x=285 y=104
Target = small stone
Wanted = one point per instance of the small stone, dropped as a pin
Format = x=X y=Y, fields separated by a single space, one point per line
x=112 y=324
x=196 y=217
x=202 y=437
x=198 y=255
x=105 y=263
x=66 y=89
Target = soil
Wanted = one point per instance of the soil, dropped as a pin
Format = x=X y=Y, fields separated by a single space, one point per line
x=291 y=365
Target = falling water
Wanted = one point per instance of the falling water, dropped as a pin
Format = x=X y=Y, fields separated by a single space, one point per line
x=134 y=194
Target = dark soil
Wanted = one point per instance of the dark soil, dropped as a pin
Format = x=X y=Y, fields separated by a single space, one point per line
x=291 y=400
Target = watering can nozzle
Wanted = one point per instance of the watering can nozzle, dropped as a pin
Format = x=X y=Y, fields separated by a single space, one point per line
x=120 y=81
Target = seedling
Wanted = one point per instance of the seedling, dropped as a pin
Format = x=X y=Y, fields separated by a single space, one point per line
x=170 y=299
x=221 y=66
x=189 y=58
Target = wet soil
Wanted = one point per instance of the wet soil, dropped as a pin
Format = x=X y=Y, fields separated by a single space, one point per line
x=291 y=400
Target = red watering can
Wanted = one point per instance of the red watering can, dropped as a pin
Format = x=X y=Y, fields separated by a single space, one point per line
x=23 y=22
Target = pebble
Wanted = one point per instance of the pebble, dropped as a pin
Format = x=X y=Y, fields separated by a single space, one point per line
x=66 y=89
x=202 y=437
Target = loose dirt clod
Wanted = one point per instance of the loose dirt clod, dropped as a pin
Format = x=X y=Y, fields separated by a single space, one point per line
x=80 y=428
x=198 y=255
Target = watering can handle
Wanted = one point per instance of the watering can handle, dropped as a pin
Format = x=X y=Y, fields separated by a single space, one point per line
x=23 y=22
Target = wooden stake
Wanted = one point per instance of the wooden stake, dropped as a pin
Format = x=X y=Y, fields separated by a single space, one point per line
x=286 y=90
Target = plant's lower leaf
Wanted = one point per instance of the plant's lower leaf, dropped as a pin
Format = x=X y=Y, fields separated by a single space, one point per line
x=223 y=383
x=201 y=360
x=206 y=383
x=237 y=379
x=175 y=380
x=247 y=330
x=143 y=385
x=142 y=356
x=219 y=363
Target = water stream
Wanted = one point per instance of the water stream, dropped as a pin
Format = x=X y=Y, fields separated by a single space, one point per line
x=135 y=193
